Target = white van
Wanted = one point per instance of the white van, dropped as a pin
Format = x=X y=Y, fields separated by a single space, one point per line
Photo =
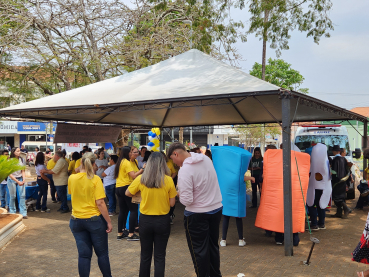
x=330 y=135
x=41 y=145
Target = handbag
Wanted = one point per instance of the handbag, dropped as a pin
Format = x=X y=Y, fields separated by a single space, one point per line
x=137 y=198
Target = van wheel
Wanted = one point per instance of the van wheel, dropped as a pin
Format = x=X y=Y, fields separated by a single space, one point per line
x=351 y=195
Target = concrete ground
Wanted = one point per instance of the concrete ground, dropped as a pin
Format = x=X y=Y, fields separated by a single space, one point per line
x=47 y=248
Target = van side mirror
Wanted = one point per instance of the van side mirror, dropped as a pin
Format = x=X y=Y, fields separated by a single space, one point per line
x=357 y=153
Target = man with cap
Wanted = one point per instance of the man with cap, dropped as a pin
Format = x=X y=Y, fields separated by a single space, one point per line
x=340 y=174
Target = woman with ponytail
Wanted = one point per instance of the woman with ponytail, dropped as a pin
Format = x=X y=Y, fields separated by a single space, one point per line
x=90 y=222
x=125 y=173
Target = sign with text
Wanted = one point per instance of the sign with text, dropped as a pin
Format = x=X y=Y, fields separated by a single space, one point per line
x=8 y=127
x=34 y=127
x=77 y=133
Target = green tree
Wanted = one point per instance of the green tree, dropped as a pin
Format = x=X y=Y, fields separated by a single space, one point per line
x=253 y=134
x=60 y=45
x=274 y=20
x=280 y=73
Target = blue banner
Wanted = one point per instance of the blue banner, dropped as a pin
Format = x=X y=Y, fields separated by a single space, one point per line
x=33 y=127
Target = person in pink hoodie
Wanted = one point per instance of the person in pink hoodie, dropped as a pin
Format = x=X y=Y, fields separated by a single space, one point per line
x=199 y=192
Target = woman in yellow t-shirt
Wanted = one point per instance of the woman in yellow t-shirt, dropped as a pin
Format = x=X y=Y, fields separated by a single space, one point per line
x=158 y=195
x=90 y=222
x=172 y=173
x=124 y=175
x=72 y=164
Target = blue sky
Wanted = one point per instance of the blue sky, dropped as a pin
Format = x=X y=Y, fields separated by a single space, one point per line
x=336 y=70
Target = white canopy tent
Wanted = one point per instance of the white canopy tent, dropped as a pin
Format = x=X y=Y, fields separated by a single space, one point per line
x=191 y=89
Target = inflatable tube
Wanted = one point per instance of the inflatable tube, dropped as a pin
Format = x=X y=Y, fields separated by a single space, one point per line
x=270 y=213
x=320 y=177
x=231 y=164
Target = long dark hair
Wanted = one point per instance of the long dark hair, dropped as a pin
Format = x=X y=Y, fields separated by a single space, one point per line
x=146 y=157
x=123 y=154
x=40 y=158
x=257 y=149
x=12 y=155
x=75 y=156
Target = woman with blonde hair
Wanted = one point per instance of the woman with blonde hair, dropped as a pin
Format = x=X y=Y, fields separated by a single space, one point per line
x=90 y=222
x=158 y=195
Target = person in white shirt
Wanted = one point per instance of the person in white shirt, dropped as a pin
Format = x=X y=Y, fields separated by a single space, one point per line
x=101 y=163
x=109 y=184
x=141 y=157
x=110 y=151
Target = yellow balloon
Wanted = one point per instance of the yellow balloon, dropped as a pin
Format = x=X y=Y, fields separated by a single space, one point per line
x=155 y=149
x=155 y=141
x=156 y=131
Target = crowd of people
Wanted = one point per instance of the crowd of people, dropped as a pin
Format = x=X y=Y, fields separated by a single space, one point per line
x=145 y=185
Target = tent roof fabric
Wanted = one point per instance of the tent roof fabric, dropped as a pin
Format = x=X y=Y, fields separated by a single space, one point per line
x=191 y=89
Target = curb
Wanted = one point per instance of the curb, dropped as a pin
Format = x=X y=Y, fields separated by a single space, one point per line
x=11 y=230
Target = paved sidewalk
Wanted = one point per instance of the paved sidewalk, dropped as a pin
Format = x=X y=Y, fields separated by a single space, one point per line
x=47 y=248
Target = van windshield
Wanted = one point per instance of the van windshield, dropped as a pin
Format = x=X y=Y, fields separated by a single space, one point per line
x=303 y=142
x=31 y=148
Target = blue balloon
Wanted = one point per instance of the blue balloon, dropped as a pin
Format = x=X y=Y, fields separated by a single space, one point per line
x=153 y=135
x=150 y=133
x=151 y=144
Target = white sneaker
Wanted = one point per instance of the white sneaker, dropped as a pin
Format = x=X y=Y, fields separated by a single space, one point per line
x=241 y=242
x=223 y=243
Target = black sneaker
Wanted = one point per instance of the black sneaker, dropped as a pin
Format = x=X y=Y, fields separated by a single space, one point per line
x=125 y=233
x=134 y=237
x=321 y=227
x=314 y=228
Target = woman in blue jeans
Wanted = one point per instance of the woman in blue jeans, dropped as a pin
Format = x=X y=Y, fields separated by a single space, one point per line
x=90 y=222
x=16 y=183
x=43 y=183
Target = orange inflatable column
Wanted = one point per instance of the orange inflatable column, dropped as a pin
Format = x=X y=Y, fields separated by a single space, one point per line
x=270 y=213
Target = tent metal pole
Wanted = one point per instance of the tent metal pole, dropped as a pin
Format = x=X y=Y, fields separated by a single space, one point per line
x=130 y=143
x=191 y=135
x=365 y=142
x=162 y=140
x=172 y=134
x=287 y=190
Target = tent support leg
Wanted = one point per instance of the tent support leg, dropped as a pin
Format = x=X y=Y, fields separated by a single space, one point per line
x=365 y=142
x=172 y=134
x=130 y=143
x=287 y=190
x=162 y=140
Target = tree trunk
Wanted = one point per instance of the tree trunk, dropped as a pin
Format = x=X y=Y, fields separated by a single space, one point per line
x=265 y=38
x=180 y=133
x=122 y=140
